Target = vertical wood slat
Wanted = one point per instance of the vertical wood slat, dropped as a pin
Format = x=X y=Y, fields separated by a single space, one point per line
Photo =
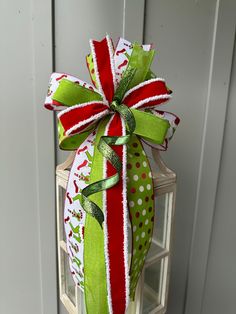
x=45 y=152
x=133 y=20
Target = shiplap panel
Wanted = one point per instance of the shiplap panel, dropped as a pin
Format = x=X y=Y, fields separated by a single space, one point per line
x=220 y=286
x=27 y=232
x=212 y=145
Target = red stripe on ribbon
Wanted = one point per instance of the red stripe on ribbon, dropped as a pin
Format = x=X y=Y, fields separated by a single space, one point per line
x=79 y=117
x=56 y=106
x=116 y=210
x=155 y=88
x=56 y=103
x=102 y=58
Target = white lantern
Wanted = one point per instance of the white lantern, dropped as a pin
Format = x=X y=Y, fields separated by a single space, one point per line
x=152 y=289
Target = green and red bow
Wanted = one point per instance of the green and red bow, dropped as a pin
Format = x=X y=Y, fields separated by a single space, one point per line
x=112 y=115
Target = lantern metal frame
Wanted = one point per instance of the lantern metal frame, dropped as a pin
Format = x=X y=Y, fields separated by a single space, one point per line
x=164 y=184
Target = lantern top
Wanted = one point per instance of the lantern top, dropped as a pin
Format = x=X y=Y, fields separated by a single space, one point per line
x=162 y=175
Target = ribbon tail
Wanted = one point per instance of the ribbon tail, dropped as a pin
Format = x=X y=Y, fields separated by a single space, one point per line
x=74 y=214
x=115 y=227
x=141 y=207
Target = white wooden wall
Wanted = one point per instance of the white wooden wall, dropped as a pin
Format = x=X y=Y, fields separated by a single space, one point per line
x=195 y=40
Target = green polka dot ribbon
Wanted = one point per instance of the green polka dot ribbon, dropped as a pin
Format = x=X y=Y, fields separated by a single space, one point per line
x=141 y=207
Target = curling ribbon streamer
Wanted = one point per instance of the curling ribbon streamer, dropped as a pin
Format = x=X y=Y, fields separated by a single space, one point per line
x=99 y=122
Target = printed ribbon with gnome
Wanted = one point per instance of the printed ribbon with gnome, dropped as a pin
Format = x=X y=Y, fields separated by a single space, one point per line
x=110 y=185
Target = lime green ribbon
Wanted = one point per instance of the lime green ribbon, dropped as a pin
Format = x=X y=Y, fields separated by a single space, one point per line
x=95 y=285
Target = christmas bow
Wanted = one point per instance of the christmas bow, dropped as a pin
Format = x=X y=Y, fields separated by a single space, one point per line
x=104 y=123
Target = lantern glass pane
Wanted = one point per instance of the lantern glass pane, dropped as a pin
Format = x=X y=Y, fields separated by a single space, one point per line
x=163 y=204
x=153 y=285
x=69 y=283
x=62 y=193
x=155 y=249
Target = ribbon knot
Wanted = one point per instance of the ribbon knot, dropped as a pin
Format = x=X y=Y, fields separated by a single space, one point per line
x=114 y=105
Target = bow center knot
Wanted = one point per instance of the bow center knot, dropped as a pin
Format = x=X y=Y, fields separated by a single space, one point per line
x=114 y=105
x=126 y=114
